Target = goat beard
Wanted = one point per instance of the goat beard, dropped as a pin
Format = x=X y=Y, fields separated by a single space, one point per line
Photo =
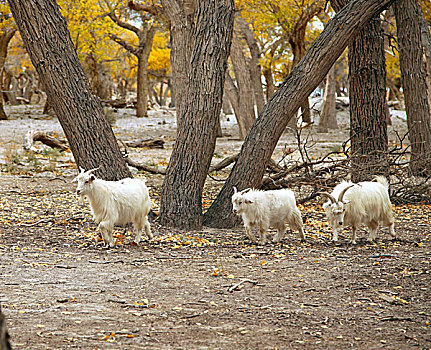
x=81 y=199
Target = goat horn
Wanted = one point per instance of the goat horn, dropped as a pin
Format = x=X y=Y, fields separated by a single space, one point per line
x=234 y=190
x=92 y=170
x=81 y=170
x=329 y=196
x=340 y=197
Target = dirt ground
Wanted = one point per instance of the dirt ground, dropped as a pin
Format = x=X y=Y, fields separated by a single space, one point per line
x=207 y=289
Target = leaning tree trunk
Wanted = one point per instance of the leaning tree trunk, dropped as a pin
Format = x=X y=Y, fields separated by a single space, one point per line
x=304 y=78
x=367 y=92
x=48 y=43
x=181 y=201
x=413 y=75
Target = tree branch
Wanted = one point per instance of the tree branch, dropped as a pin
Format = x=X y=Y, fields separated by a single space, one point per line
x=122 y=24
x=122 y=43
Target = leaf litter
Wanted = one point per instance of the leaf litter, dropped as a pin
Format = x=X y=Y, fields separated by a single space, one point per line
x=208 y=288
x=211 y=288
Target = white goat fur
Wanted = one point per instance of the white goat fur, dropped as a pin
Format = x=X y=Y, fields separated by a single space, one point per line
x=363 y=203
x=116 y=203
x=265 y=209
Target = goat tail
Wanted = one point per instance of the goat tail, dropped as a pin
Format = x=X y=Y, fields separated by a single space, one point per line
x=382 y=180
x=294 y=219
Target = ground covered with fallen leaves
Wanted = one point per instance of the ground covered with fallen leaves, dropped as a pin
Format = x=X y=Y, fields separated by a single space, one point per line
x=205 y=289
x=209 y=289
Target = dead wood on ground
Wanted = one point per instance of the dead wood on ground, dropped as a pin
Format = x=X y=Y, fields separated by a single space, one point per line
x=37 y=135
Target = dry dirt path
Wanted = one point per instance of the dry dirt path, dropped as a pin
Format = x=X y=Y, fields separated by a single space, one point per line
x=59 y=289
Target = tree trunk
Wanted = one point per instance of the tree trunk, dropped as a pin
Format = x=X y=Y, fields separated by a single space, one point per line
x=4 y=335
x=181 y=201
x=243 y=94
x=226 y=107
x=328 y=115
x=270 y=85
x=142 y=87
x=367 y=91
x=6 y=35
x=181 y=17
x=413 y=75
x=255 y=68
x=426 y=42
x=48 y=43
x=304 y=78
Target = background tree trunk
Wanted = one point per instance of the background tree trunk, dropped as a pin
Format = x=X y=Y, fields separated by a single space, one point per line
x=255 y=68
x=304 y=78
x=181 y=200
x=413 y=75
x=328 y=115
x=4 y=335
x=241 y=95
x=181 y=15
x=6 y=35
x=145 y=37
x=48 y=43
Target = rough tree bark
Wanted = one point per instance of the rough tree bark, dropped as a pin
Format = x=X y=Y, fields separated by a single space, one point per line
x=304 y=78
x=426 y=42
x=181 y=201
x=48 y=43
x=181 y=15
x=367 y=92
x=413 y=75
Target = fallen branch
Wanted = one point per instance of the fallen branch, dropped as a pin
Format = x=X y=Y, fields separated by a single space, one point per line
x=37 y=222
x=145 y=167
x=225 y=163
x=236 y=286
x=395 y=318
x=148 y=143
x=36 y=135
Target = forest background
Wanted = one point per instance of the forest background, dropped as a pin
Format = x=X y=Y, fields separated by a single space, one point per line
x=195 y=286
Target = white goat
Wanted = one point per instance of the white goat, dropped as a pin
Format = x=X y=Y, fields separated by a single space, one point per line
x=265 y=209
x=363 y=203
x=116 y=202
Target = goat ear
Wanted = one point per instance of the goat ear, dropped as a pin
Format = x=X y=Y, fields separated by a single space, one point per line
x=248 y=201
x=81 y=170
x=75 y=179
x=326 y=205
x=92 y=178
x=346 y=201
x=245 y=191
